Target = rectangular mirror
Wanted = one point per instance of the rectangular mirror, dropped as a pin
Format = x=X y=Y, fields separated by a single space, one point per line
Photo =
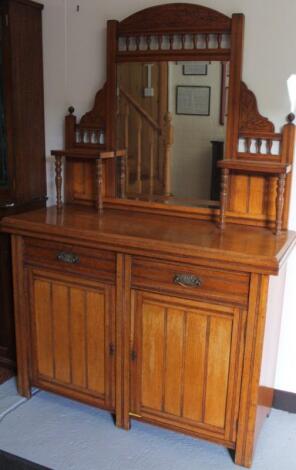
x=171 y=118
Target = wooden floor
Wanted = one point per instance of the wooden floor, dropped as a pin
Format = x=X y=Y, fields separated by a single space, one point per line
x=5 y=374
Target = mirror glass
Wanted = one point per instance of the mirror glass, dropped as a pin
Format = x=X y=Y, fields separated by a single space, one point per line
x=171 y=118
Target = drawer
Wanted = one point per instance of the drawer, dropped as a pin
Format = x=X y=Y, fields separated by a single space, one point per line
x=190 y=281
x=98 y=264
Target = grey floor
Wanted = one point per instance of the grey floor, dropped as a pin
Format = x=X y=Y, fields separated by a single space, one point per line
x=62 y=434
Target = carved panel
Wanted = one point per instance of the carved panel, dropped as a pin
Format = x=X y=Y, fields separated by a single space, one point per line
x=175 y=17
x=250 y=120
x=97 y=116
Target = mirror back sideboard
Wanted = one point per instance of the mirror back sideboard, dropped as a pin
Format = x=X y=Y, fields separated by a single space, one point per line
x=157 y=311
x=157 y=34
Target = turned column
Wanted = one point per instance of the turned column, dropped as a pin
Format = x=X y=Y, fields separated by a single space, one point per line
x=280 y=202
x=99 y=181
x=151 y=161
x=168 y=133
x=123 y=175
x=126 y=143
x=139 y=155
x=223 y=195
x=58 y=180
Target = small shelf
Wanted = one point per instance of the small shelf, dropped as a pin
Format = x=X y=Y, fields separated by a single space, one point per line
x=89 y=154
x=280 y=170
x=251 y=166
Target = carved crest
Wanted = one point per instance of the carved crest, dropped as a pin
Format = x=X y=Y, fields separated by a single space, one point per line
x=175 y=17
x=250 y=119
x=97 y=116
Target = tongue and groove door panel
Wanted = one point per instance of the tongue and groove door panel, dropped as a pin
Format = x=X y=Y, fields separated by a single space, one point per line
x=72 y=327
x=185 y=359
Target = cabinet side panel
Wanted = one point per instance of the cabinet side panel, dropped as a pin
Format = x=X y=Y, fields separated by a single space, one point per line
x=251 y=370
x=21 y=315
x=270 y=347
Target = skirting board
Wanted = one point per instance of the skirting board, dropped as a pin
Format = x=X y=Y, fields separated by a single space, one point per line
x=285 y=401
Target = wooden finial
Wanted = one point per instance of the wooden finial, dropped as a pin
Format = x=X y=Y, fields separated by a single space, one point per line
x=71 y=110
x=290 y=118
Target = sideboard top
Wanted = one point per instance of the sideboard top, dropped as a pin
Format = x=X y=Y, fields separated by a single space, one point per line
x=238 y=247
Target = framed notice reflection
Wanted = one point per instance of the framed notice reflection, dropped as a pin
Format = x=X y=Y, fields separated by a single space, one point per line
x=195 y=68
x=193 y=100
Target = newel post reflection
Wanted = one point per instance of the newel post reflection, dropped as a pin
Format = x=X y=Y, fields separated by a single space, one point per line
x=224 y=196
x=168 y=140
x=58 y=181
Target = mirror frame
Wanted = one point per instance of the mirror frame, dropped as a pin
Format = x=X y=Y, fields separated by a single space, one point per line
x=164 y=20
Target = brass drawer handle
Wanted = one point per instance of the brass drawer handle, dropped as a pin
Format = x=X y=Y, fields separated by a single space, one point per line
x=68 y=258
x=187 y=280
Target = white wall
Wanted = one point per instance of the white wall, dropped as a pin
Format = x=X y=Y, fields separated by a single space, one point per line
x=74 y=58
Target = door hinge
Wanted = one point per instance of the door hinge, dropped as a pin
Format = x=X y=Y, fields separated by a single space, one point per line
x=133 y=355
x=112 y=349
x=6 y=20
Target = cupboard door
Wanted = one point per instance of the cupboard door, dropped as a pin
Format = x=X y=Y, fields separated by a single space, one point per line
x=72 y=324
x=186 y=364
